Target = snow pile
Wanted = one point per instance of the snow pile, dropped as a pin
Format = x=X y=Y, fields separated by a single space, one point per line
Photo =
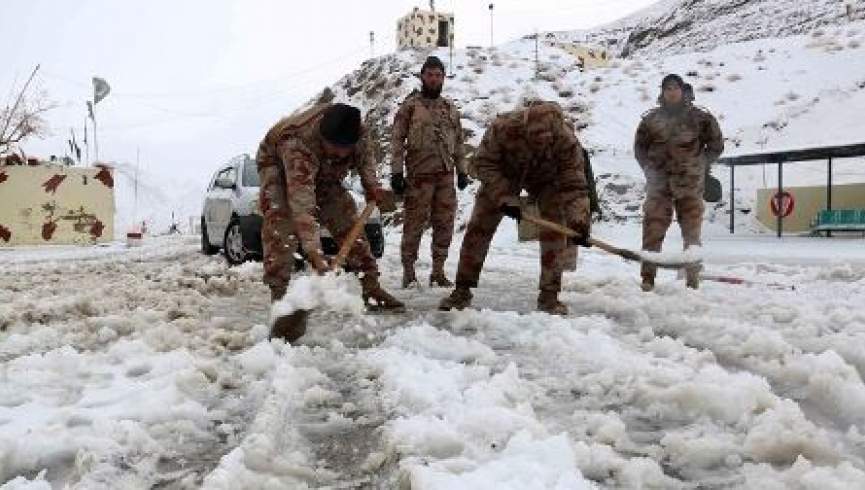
x=330 y=291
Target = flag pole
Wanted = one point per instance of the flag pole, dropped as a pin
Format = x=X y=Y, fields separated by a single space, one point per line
x=95 y=140
x=86 y=143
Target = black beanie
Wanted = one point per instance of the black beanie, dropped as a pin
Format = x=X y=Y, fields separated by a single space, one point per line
x=340 y=125
x=432 y=62
x=672 y=78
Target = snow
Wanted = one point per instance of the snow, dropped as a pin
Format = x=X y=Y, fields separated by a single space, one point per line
x=149 y=366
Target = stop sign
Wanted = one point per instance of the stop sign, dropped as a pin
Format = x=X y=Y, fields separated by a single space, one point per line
x=782 y=204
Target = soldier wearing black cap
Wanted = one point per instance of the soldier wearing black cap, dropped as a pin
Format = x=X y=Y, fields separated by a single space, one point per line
x=302 y=162
x=674 y=145
x=426 y=149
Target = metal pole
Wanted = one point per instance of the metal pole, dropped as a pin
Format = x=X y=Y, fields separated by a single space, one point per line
x=780 y=202
x=95 y=140
x=829 y=193
x=732 y=199
x=371 y=44
x=491 y=25
x=86 y=143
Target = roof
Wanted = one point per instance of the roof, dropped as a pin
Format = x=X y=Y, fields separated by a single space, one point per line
x=800 y=155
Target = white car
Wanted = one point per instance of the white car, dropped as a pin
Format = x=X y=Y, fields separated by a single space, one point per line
x=231 y=218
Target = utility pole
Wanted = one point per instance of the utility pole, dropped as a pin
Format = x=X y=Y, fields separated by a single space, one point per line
x=491 y=25
x=371 y=44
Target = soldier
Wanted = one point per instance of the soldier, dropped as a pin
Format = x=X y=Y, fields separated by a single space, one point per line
x=428 y=143
x=533 y=149
x=674 y=144
x=301 y=164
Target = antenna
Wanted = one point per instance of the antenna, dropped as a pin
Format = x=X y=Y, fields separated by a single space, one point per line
x=491 y=24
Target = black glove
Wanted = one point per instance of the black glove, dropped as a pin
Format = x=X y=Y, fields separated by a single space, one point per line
x=463 y=181
x=397 y=183
x=512 y=211
x=582 y=236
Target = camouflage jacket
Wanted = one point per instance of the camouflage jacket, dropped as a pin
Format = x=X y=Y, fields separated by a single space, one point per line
x=505 y=163
x=678 y=142
x=427 y=137
x=296 y=147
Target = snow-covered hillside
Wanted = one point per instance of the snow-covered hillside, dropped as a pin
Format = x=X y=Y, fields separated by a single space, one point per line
x=677 y=26
x=774 y=93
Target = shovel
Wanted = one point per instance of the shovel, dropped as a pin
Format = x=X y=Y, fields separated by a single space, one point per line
x=352 y=235
x=606 y=247
x=291 y=327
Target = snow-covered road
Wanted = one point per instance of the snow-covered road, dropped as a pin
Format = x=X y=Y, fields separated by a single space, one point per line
x=148 y=368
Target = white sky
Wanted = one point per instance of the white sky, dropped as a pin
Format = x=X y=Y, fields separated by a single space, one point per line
x=195 y=82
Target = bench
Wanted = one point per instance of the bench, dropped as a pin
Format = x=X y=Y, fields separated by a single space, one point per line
x=828 y=220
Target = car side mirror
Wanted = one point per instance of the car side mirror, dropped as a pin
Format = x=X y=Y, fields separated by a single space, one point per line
x=224 y=183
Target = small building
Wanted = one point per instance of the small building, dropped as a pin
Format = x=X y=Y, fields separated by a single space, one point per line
x=425 y=29
x=43 y=203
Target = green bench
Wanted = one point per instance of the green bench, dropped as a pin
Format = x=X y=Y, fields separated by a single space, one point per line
x=838 y=220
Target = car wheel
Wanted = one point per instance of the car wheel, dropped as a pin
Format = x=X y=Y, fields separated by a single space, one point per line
x=235 y=253
x=206 y=247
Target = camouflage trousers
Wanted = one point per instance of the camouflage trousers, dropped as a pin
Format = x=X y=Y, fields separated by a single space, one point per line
x=335 y=210
x=658 y=215
x=486 y=217
x=429 y=199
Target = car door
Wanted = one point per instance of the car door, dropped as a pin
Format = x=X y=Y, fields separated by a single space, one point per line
x=207 y=208
x=222 y=197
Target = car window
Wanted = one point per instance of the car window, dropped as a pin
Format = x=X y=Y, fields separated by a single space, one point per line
x=250 y=174
x=230 y=173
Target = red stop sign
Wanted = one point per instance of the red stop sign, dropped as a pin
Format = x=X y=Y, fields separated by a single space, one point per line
x=782 y=204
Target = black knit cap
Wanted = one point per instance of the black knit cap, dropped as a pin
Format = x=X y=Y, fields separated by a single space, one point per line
x=432 y=62
x=340 y=125
x=672 y=78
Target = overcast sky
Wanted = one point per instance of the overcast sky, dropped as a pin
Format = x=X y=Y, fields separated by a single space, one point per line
x=195 y=82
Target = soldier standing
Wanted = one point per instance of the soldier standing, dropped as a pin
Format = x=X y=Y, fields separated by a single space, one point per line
x=674 y=145
x=428 y=144
x=533 y=149
x=302 y=162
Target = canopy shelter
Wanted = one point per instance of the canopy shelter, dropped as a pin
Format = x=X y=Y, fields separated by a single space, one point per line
x=828 y=153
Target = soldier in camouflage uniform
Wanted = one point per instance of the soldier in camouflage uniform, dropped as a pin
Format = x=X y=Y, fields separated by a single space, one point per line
x=428 y=144
x=674 y=144
x=302 y=162
x=533 y=149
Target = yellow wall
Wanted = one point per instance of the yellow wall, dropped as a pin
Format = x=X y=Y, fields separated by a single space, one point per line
x=54 y=204
x=808 y=201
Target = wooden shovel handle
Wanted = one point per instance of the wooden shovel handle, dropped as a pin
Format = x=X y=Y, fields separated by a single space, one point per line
x=352 y=235
x=621 y=252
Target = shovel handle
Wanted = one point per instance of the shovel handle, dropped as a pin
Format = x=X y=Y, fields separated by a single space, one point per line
x=352 y=235
x=606 y=247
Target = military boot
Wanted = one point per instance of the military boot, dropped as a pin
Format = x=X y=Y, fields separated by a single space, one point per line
x=438 y=278
x=692 y=278
x=548 y=302
x=459 y=299
x=287 y=327
x=377 y=299
x=408 y=277
x=648 y=283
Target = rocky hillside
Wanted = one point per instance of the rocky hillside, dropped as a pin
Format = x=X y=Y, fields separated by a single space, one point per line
x=677 y=26
x=770 y=92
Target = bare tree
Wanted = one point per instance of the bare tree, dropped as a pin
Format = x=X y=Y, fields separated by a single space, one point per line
x=24 y=118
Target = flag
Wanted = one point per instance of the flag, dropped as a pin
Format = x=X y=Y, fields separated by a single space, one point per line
x=100 y=89
x=90 y=110
x=75 y=148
